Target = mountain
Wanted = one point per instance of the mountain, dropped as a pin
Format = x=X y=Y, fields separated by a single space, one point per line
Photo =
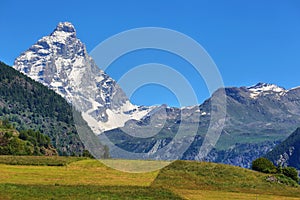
x=257 y=119
x=28 y=104
x=60 y=61
x=287 y=153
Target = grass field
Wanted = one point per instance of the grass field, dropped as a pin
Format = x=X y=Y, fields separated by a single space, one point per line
x=83 y=172
x=9 y=191
x=39 y=160
x=81 y=178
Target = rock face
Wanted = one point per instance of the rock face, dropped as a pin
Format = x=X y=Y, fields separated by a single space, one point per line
x=61 y=62
x=287 y=153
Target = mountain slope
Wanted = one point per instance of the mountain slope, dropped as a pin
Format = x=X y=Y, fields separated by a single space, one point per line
x=257 y=118
x=287 y=153
x=30 y=105
x=60 y=61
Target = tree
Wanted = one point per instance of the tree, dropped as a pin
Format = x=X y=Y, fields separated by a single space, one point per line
x=23 y=135
x=86 y=153
x=6 y=124
x=263 y=165
x=291 y=172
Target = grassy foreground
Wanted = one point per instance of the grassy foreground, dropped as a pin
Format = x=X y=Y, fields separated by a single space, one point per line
x=83 y=172
x=83 y=192
x=90 y=179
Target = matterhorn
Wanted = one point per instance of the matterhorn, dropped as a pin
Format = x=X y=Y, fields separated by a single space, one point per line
x=60 y=61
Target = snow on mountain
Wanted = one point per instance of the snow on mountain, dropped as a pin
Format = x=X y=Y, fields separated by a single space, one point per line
x=265 y=88
x=61 y=62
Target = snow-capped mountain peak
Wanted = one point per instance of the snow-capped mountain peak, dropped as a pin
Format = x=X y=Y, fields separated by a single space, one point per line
x=64 y=30
x=60 y=61
x=65 y=27
x=265 y=88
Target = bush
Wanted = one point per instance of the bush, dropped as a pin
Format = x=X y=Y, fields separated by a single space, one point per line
x=291 y=172
x=263 y=165
x=266 y=166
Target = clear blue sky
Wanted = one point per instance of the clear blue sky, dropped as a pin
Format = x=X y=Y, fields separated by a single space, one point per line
x=250 y=41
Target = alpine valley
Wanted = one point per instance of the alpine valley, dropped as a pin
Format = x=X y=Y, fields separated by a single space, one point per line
x=257 y=117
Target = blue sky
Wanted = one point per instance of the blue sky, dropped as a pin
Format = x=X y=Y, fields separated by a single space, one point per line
x=250 y=41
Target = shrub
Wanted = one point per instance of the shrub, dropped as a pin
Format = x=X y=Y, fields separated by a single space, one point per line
x=291 y=172
x=263 y=165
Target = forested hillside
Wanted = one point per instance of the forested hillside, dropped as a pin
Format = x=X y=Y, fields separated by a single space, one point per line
x=26 y=142
x=30 y=105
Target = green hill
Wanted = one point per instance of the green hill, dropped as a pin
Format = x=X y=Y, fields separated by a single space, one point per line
x=196 y=177
x=30 y=105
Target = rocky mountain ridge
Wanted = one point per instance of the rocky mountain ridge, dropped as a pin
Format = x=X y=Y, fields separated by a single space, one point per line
x=60 y=61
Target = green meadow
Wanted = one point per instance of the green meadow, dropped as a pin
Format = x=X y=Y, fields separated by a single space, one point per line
x=29 y=177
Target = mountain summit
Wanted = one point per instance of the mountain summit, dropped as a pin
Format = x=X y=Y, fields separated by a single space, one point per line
x=265 y=88
x=66 y=27
x=61 y=62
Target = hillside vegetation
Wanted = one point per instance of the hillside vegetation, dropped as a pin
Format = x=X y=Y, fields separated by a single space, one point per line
x=31 y=105
x=90 y=179
x=26 y=142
